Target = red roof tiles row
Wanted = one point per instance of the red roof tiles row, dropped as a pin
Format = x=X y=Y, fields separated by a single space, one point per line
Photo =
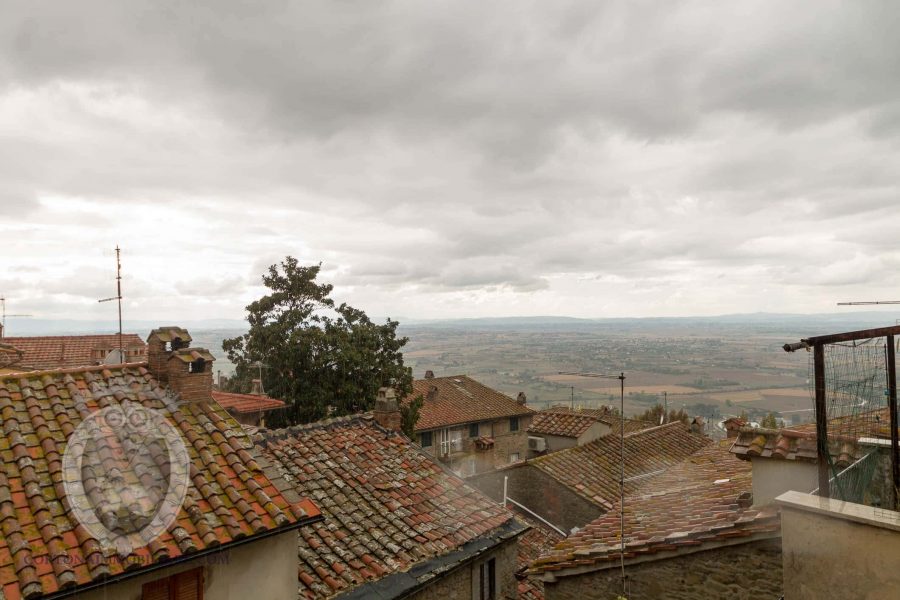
x=67 y=351
x=44 y=548
x=387 y=505
x=593 y=469
x=246 y=403
x=460 y=399
x=704 y=498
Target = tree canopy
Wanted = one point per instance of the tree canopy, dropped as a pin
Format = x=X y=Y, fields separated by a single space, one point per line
x=320 y=358
x=655 y=414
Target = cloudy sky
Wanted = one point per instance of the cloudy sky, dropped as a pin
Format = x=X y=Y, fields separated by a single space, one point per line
x=447 y=159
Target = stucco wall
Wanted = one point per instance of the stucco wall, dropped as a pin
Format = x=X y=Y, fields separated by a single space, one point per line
x=540 y=493
x=744 y=572
x=458 y=584
x=831 y=552
x=265 y=569
x=773 y=477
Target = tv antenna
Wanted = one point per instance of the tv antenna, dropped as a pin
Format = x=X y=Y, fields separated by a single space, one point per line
x=118 y=298
x=868 y=303
x=621 y=378
x=3 y=309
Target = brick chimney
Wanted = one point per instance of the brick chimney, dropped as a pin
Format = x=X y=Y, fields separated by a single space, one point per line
x=161 y=343
x=521 y=398
x=429 y=374
x=190 y=374
x=432 y=393
x=387 y=411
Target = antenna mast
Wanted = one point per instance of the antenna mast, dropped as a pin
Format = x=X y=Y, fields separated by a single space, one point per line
x=3 y=322
x=118 y=299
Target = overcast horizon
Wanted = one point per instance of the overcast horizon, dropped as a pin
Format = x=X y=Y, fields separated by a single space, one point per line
x=450 y=159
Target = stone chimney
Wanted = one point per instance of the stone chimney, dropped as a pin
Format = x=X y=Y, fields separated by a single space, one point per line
x=387 y=411
x=256 y=388
x=161 y=343
x=432 y=393
x=429 y=374
x=190 y=374
x=521 y=398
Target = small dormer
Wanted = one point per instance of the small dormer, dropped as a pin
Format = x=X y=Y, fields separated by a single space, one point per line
x=190 y=374
x=161 y=343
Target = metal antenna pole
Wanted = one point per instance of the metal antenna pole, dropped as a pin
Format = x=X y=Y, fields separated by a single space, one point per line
x=622 y=476
x=572 y=403
x=621 y=378
x=118 y=298
x=3 y=322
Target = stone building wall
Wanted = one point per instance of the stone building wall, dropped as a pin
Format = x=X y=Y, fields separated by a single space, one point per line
x=541 y=493
x=460 y=584
x=744 y=572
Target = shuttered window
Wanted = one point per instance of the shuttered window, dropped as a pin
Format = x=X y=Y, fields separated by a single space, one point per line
x=183 y=586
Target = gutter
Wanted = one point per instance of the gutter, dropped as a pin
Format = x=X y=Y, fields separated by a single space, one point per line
x=423 y=574
x=184 y=558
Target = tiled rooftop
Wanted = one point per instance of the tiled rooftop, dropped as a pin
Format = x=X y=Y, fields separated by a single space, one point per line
x=460 y=399
x=67 y=351
x=799 y=442
x=704 y=498
x=246 y=403
x=387 y=505
x=592 y=470
x=562 y=424
x=604 y=415
x=44 y=549
x=536 y=542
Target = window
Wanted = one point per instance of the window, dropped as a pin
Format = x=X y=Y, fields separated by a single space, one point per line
x=473 y=430
x=425 y=439
x=456 y=440
x=487 y=585
x=514 y=423
x=513 y=457
x=183 y=586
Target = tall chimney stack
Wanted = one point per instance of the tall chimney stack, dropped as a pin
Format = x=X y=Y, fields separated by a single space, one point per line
x=387 y=411
x=161 y=343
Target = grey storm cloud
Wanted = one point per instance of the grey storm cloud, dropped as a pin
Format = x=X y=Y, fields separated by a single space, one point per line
x=421 y=150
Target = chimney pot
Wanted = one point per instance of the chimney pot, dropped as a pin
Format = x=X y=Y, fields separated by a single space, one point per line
x=429 y=374
x=521 y=398
x=432 y=393
x=257 y=388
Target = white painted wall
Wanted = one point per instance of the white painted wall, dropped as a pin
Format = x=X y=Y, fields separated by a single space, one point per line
x=773 y=477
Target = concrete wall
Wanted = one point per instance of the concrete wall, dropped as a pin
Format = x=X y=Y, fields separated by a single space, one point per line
x=836 y=549
x=458 y=584
x=261 y=569
x=773 y=477
x=749 y=571
x=540 y=493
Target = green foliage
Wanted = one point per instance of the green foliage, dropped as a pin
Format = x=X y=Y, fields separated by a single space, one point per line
x=769 y=421
x=655 y=413
x=317 y=357
x=409 y=414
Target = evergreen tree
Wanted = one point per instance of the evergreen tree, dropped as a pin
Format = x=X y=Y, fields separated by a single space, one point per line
x=319 y=358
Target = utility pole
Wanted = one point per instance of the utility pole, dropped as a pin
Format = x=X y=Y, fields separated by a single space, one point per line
x=666 y=407
x=572 y=401
x=118 y=298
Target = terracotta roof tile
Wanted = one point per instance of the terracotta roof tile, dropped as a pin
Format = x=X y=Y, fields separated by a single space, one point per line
x=605 y=415
x=703 y=498
x=460 y=399
x=44 y=549
x=592 y=470
x=246 y=403
x=561 y=424
x=536 y=542
x=67 y=351
x=799 y=442
x=387 y=505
